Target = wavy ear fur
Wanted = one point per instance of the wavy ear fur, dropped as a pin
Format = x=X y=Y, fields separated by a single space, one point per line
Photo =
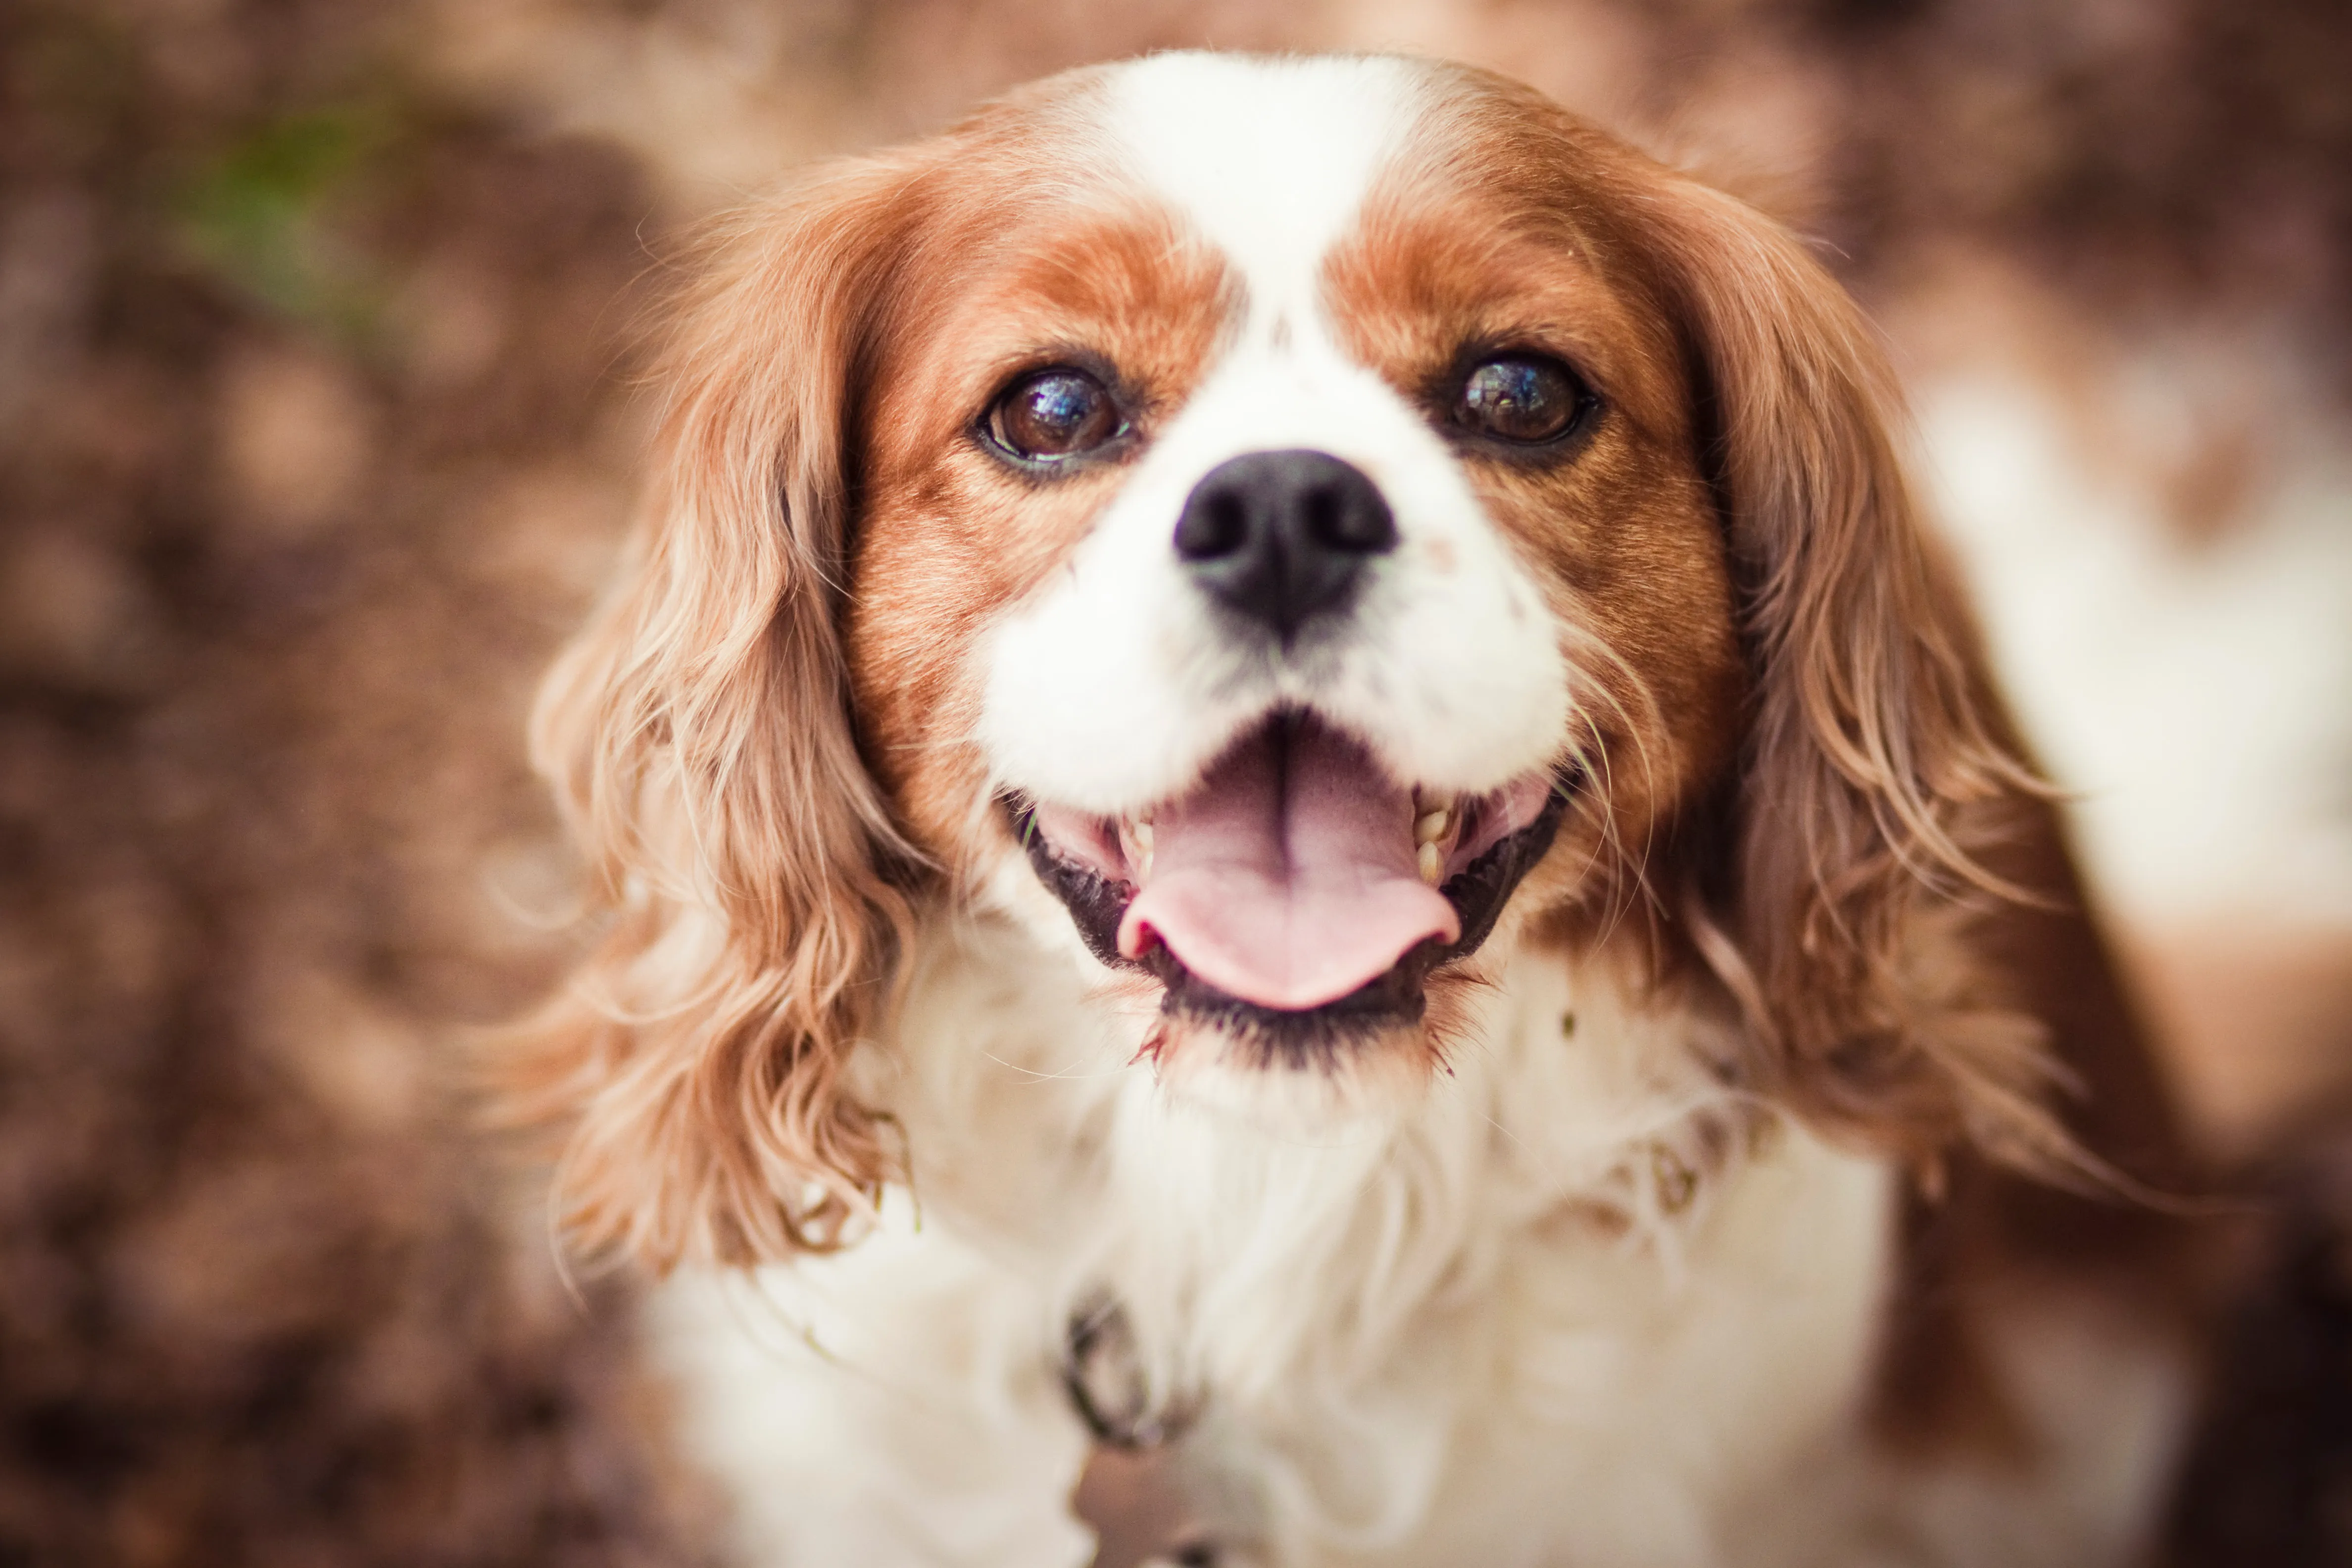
x=1879 y=767
x=698 y=739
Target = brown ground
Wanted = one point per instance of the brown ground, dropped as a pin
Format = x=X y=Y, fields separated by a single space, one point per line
x=304 y=392
x=314 y=436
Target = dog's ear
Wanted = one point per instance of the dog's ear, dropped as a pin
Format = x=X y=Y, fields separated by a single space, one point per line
x=1878 y=766
x=698 y=739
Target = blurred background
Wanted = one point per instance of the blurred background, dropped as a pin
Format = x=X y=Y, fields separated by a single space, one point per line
x=317 y=433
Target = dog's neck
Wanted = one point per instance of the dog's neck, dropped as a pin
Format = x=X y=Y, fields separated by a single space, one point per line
x=1574 y=1237
x=1281 y=1244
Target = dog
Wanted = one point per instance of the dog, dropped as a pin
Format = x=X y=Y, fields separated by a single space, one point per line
x=1296 y=829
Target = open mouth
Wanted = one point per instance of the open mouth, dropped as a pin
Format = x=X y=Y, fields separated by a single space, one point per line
x=1296 y=895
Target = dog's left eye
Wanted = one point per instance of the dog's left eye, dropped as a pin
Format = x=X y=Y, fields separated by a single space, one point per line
x=1049 y=415
x=1522 y=398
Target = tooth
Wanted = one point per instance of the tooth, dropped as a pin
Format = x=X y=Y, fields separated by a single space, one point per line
x=1135 y=843
x=1432 y=864
x=1429 y=829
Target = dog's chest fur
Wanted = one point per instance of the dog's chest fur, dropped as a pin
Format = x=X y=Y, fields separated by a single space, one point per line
x=1577 y=1293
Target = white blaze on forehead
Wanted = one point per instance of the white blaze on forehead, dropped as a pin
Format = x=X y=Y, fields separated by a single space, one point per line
x=1269 y=159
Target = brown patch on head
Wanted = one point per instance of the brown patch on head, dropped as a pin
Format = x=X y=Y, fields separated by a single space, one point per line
x=950 y=532
x=815 y=492
x=1497 y=240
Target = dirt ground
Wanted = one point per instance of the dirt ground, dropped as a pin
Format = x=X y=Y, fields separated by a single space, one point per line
x=316 y=435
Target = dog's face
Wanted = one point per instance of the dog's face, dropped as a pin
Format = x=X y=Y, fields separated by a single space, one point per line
x=1283 y=530
x=1290 y=530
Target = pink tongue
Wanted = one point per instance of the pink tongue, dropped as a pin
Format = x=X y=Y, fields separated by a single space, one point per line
x=1286 y=878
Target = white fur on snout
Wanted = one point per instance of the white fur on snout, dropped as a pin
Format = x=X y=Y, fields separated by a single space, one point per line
x=1115 y=684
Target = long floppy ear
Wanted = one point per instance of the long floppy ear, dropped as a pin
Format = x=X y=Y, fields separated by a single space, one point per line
x=1879 y=769
x=697 y=737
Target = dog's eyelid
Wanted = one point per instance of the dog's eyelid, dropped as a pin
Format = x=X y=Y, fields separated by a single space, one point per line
x=1042 y=359
x=1576 y=348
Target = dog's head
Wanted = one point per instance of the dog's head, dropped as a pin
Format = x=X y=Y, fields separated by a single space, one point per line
x=1290 y=530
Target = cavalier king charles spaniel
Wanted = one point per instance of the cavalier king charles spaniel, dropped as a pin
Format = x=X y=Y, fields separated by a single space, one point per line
x=1296 y=826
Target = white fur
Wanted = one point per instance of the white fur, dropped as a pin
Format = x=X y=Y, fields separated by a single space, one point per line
x=1473 y=1330
x=890 y=1405
x=1468 y=1330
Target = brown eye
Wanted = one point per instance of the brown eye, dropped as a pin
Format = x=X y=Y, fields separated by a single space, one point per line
x=1522 y=398
x=1050 y=415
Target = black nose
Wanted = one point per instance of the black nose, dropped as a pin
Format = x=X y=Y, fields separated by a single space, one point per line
x=1283 y=536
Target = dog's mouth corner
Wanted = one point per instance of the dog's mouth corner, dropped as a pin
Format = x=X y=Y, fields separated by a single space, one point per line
x=1296 y=895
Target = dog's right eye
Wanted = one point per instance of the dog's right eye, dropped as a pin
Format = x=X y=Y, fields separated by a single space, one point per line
x=1050 y=415
x=1522 y=399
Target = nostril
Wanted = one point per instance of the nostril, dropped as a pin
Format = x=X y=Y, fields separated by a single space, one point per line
x=1217 y=527
x=1324 y=518
x=1350 y=518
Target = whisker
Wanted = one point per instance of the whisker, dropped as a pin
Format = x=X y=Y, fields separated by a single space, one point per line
x=1060 y=1075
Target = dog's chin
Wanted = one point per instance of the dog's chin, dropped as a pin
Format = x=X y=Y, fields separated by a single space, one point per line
x=1225 y=1071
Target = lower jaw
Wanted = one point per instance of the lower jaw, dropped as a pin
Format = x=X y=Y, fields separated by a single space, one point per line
x=1395 y=1003
x=1376 y=1073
